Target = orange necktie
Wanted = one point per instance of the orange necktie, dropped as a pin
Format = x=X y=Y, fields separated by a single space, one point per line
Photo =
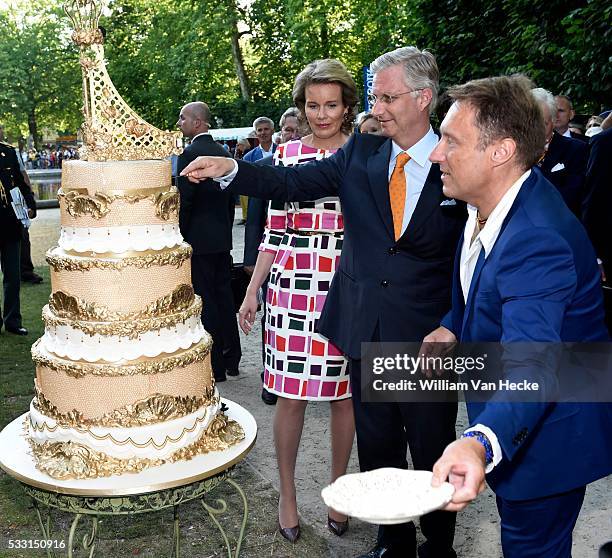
x=397 y=192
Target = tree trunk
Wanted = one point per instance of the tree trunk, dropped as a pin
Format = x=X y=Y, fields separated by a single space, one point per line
x=325 y=38
x=33 y=127
x=245 y=88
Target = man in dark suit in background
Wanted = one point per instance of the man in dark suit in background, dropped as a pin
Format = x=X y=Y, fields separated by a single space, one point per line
x=563 y=116
x=10 y=237
x=394 y=276
x=597 y=209
x=565 y=158
x=206 y=217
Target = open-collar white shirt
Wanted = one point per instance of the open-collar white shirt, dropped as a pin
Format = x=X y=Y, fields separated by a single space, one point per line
x=487 y=237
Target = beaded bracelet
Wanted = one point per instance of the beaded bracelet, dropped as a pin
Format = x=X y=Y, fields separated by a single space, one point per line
x=484 y=441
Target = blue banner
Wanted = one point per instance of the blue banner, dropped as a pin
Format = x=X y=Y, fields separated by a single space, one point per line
x=367 y=87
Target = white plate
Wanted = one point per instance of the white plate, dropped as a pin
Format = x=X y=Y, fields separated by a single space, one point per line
x=387 y=496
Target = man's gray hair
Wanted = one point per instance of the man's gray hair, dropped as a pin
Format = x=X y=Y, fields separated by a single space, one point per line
x=263 y=120
x=291 y=111
x=546 y=98
x=420 y=69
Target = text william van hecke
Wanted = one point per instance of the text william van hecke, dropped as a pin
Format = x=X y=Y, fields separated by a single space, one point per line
x=446 y=385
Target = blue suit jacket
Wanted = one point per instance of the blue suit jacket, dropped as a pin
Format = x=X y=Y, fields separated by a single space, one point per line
x=539 y=283
x=403 y=286
x=256 y=153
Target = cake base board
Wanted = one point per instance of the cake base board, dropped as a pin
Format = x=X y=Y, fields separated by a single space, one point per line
x=17 y=461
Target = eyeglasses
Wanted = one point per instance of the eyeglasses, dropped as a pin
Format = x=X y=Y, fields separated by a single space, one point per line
x=387 y=99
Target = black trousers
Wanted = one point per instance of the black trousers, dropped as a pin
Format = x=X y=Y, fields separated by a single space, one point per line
x=211 y=276
x=11 y=282
x=27 y=267
x=384 y=433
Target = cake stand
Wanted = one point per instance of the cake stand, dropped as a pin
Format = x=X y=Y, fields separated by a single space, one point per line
x=151 y=490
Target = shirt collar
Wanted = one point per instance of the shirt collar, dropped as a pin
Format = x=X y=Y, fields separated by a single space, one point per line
x=488 y=235
x=420 y=151
x=200 y=134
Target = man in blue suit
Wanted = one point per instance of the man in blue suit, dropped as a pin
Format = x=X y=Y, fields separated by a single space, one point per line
x=394 y=278
x=264 y=128
x=524 y=273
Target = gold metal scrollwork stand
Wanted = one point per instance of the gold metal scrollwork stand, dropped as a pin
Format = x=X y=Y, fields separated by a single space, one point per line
x=93 y=507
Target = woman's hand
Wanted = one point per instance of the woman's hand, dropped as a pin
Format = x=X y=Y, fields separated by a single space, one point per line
x=247 y=312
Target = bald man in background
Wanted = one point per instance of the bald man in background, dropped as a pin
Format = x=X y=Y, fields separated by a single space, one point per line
x=206 y=217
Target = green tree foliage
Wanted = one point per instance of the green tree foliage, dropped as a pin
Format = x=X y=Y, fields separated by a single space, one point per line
x=38 y=82
x=242 y=57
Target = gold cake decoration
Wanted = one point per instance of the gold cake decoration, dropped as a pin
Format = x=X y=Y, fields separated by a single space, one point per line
x=79 y=203
x=64 y=305
x=130 y=327
x=144 y=365
x=172 y=257
x=108 y=437
x=70 y=460
x=111 y=130
x=152 y=410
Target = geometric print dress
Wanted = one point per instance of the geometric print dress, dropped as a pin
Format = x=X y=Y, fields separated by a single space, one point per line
x=306 y=238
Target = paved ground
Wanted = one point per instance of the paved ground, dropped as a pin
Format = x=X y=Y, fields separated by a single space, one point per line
x=477 y=528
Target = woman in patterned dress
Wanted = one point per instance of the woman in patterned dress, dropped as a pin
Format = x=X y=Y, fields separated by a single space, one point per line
x=301 y=251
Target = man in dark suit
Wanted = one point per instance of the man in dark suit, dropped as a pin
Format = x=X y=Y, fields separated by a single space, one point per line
x=394 y=276
x=597 y=208
x=565 y=159
x=10 y=237
x=563 y=116
x=526 y=277
x=206 y=217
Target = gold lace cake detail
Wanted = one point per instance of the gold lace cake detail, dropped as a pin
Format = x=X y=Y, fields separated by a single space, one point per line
x=152 y=410
x=131 y=328
x=70 y=460
x=143 y=365
x=173 y=257
x=79 y=203
x=66 y=306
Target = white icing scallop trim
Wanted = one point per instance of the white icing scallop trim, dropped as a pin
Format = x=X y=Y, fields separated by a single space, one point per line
x=123 y=238
x=154 y=441
x=69 y=342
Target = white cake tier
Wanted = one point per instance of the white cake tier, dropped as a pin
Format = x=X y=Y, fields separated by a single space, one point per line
x=120 y=239
x=154 y=441
x=72 y=343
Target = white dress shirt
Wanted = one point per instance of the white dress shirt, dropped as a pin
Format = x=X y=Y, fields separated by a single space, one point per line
x=415 y=171
x=485 y=240
x=567 y=133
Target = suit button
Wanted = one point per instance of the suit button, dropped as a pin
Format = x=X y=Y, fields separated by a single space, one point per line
x=392 y=251
x=384 y=283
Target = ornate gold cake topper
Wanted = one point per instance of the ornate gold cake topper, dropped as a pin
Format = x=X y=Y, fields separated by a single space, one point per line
x=112 y=130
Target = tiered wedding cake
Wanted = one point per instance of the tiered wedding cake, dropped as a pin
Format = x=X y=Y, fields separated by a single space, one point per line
x=123 y=374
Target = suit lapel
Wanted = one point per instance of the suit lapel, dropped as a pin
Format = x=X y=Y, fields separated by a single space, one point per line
x=553 y=155
x=523 y=194
x=378 y=175
x=428 y=200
